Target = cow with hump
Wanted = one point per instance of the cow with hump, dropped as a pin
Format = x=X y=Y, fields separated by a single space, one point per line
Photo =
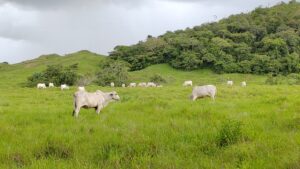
x=97 y=100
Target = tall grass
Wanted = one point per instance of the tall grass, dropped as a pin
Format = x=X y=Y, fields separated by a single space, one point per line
x=153 y=127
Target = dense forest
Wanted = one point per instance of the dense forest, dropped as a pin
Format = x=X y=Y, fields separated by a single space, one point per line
x=266 y=40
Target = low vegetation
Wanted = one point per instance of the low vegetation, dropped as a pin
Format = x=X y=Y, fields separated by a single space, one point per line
x=158 y=79
x=112 y=71
x=56 y=74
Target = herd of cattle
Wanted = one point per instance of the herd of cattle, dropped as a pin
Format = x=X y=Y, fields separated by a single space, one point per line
x=98 y=100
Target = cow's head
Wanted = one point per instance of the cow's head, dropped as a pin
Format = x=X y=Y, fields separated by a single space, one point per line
x=114 y=96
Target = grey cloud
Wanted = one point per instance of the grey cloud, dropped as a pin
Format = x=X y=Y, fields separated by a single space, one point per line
x=58 y=4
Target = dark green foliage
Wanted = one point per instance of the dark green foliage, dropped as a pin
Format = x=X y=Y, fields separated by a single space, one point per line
x=264 y=41
x=291 y=79
x=35 y=79
x=157 y=79
x=56 y=74
x=272 y=80
x=112 y=71
x=229 y=133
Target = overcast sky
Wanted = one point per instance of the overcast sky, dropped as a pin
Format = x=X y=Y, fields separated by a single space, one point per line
x=29 y=28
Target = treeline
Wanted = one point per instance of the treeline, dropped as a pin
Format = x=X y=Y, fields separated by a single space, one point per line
x=266 y=40
x=109 y=71
x=56 y=74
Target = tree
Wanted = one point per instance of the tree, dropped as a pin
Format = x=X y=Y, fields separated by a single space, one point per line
x=56 y=74
x=112 y=71
x=240 y=43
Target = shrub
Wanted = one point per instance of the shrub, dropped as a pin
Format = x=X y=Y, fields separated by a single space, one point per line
x=272 y=80
x=56 y=74
x=86 y=79
x=157 y=79
x=35 y=79
x=229 y=133
x=291 y=79
x=112 y=71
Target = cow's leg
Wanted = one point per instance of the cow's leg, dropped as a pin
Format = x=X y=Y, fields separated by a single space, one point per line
x=76 y=111
x=194 y=98
x=99 y=107
x=212 y=97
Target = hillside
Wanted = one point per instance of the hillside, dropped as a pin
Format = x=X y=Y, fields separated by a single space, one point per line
x=17 y=73
x=265 y=40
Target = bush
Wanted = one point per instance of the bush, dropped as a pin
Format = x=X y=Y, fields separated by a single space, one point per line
x=291 y=79
x=112 y=71
x=157 y=79
x=229 y=134
x=56 y=74
x=272 y=80
x=86 y=79
x=35 y=79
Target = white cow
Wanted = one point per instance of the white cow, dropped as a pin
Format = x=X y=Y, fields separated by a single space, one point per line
x=51 y=85
x=230 y=83
x=203 y=91
x=132 y=84
x=41 y=86
x=81 y=88
x=123 y=85
x=243 y=84
x=142 y=84
x=112 y=84
x=97 y=100
x=151 y=84
x=188 y=83
x=64 y=87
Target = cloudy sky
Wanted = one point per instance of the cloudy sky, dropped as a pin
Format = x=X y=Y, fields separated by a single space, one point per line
x=29 y=28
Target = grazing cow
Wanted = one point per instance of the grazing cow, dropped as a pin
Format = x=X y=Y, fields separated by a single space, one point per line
x=142 y=84
x=112 y=84
x=132 y=84
x=123 y=85
x=229 y=82
x=151 y=84
x=81 y=88
x=188 y=83
x=203 y=91
x=243 y=84
x=41 y=86
x=64 y=87
x=51 y=85
x=97 y=100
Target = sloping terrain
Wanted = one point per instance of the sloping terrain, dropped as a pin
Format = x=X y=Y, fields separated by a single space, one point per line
x=15 y=74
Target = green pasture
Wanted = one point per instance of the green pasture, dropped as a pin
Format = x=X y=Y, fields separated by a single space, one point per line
x=253 y=127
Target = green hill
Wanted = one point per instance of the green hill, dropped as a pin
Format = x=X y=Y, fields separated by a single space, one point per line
x=265 y=40
x=15 y=74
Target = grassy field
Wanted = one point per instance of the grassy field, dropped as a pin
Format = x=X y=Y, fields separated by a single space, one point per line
x=253 y=127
